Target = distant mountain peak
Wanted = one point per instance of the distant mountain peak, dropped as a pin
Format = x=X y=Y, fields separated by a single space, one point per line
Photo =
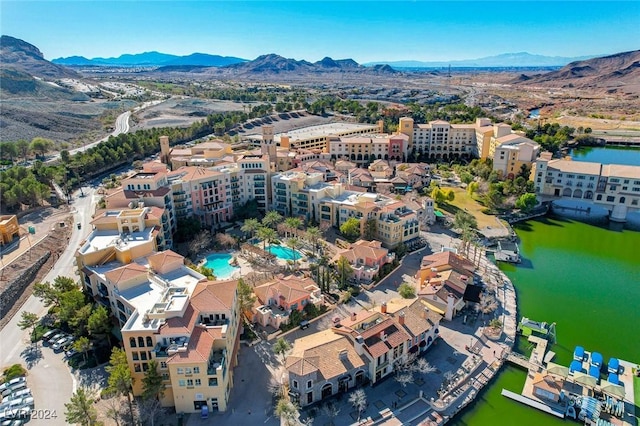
x=514 y=59
x=27 y=58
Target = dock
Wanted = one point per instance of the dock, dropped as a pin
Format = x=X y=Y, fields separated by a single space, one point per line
x=534 y=362
x=531 y=403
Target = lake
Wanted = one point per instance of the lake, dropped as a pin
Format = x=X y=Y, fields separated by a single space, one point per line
x=582 y=276
x=607 y=155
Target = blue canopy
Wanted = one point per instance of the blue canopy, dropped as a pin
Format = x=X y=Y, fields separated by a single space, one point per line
x=578 y=353
x=613 y=378
x=575 y=366
x=614 y=365
x=597 y=359
x=594 y=371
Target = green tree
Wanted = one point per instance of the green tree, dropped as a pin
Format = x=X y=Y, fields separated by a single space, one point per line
x=246 y=298
x=406 y=291
x=287 y=411
x=438 y=195
x=29 y=320
x=370 y=229
x=281 y=347
x=83 y=345
x=292 y=224
x=358 y=399
x=450 y=195
x=526 y=202
x=525 y=171
x=152 y=385
x=80 y=319
x=350 y=229
x=41 y=145
x=272 y=219
x=70 y=303
x=23 y=148
x=100 y=324
x=251 y=226
x=344 y=271
x=294 y=244
x=80 y=409
x=51 y=294
x=267 y=235
x=463 y=220
x=313 y=235
x=65 y=157
x=120 y=380
x=9 y=149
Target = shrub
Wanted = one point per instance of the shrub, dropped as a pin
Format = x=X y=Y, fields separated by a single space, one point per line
x=407 y=291
x=16 y=370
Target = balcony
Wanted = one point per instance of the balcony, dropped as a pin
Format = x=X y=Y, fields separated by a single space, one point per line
x=217 y=363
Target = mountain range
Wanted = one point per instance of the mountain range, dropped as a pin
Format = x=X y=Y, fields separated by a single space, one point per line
x=520 y=59
x=153 y=59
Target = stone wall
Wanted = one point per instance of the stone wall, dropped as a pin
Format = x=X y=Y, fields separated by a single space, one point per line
x=17 y=286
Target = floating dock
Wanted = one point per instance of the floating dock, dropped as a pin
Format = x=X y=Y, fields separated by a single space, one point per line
x=532 y=403
x=507 y=252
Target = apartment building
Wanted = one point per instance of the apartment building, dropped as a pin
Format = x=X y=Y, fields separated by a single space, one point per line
x=613 y=186
x=366 y=258
x=440 y=140
x=366 y=149
x=204 y=154
x=513 y=152
x=290 y=191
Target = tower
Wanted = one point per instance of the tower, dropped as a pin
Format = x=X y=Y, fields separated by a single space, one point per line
x=165 y=150
x=268 y=145
x=406 y=126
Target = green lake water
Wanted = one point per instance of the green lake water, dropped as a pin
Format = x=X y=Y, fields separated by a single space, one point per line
x=584 y=277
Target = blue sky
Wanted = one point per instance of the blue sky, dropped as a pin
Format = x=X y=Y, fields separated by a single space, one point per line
x=362 y=30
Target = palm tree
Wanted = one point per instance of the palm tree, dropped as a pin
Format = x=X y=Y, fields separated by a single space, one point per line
x=292 y=224
x=293 y=243
x=314 y=234
x=251 y=226
x=267 y=235
x=271 y=219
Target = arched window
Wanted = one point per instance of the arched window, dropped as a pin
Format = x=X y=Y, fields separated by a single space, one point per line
x=149 y=341
x=132 y=342
x=141 y=342
x=622 y=200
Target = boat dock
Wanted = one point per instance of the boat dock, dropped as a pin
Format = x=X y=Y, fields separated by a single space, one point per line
x=507 y=252
x=532 y=403
x=534 y=362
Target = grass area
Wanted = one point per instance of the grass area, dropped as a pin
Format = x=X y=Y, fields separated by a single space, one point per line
x=463 y=201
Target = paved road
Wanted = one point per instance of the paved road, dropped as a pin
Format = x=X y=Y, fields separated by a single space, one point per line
x=49 y=377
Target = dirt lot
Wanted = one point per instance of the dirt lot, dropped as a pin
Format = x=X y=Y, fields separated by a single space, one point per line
x=183 y=111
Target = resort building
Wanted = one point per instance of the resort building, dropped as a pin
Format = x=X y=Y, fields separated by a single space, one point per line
x=484 y=131
x=442 y=282
x=612 y=186
x=204 y=154
x=366 y=258
x=440 y=140
x=277 y=299
x=363 y=150
x=512 y=152
x=9 y=229
x=361 y=349
x=316 y=137
x=321 y=365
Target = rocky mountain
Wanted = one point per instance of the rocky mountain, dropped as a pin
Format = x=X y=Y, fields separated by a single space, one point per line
x=276 y=64
x=21 y=56
x=614 y=73
x=153 y=59
x=519 y=59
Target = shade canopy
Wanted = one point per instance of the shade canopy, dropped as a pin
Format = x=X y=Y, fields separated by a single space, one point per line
x=584 y=379
x=614 y=379
x=613 y=390
x=578 y=353
x=594 y=372
x=557 y=370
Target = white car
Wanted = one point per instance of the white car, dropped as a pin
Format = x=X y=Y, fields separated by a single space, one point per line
x=13 y=389
x=19 y=394
x=60 y=344
x=57 y=337
x=12 y=382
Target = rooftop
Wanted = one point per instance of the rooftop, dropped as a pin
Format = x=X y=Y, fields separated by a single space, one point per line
x=101 y=239
x=324 y=130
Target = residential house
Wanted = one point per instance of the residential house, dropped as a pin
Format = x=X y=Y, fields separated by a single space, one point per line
x=366 y=258
x=278 y=298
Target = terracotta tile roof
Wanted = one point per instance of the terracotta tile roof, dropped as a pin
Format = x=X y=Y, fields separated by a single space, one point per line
x=288 y=288
x=183 y=324
x=125 y=273
x=198 y=348
x=418 y=318
x=158 y=259
x=376 y=345
x=214 y=295
x=332 y=359
x=447 y=259
x=189 y=173
x=362 y=249
x=154 y=212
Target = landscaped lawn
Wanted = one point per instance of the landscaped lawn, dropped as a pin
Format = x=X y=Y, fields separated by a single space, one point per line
x=463 y=201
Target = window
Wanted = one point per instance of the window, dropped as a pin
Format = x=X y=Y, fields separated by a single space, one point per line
x=309 y=384
x=187 y=370
x=213 y=381
x=180 y=370
x=135 y=356
x=149 y=341
x=132 y=342
x=189 y=382
x=198 y=382
x=136 y=367
x=165 y=376
x=182 y=383
x=143 y=356
x=196 y=370
x=141 y=342
x=295 y=384
x=145 y=366
x=163 y=364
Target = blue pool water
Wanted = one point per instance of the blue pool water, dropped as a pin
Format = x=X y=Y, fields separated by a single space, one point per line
x=284 y=252
x=219 y=262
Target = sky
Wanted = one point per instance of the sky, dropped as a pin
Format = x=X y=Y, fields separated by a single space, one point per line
x=363 y=30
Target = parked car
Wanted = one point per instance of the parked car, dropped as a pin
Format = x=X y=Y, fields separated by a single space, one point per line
x=22 y=393
x=70 y=353
x=14 y=422
x=13 y=389
x=60 y=344
x=49 y=334
x=56 y=337
x=12 y=382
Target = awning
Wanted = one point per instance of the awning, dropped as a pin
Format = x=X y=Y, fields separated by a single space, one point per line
x=584 y=379
x=433 y=308
x=557 y=370
x=438 y=213
x=615 y=391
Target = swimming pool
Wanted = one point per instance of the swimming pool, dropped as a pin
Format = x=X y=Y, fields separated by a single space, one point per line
x=284 y=253
x=219 y=262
